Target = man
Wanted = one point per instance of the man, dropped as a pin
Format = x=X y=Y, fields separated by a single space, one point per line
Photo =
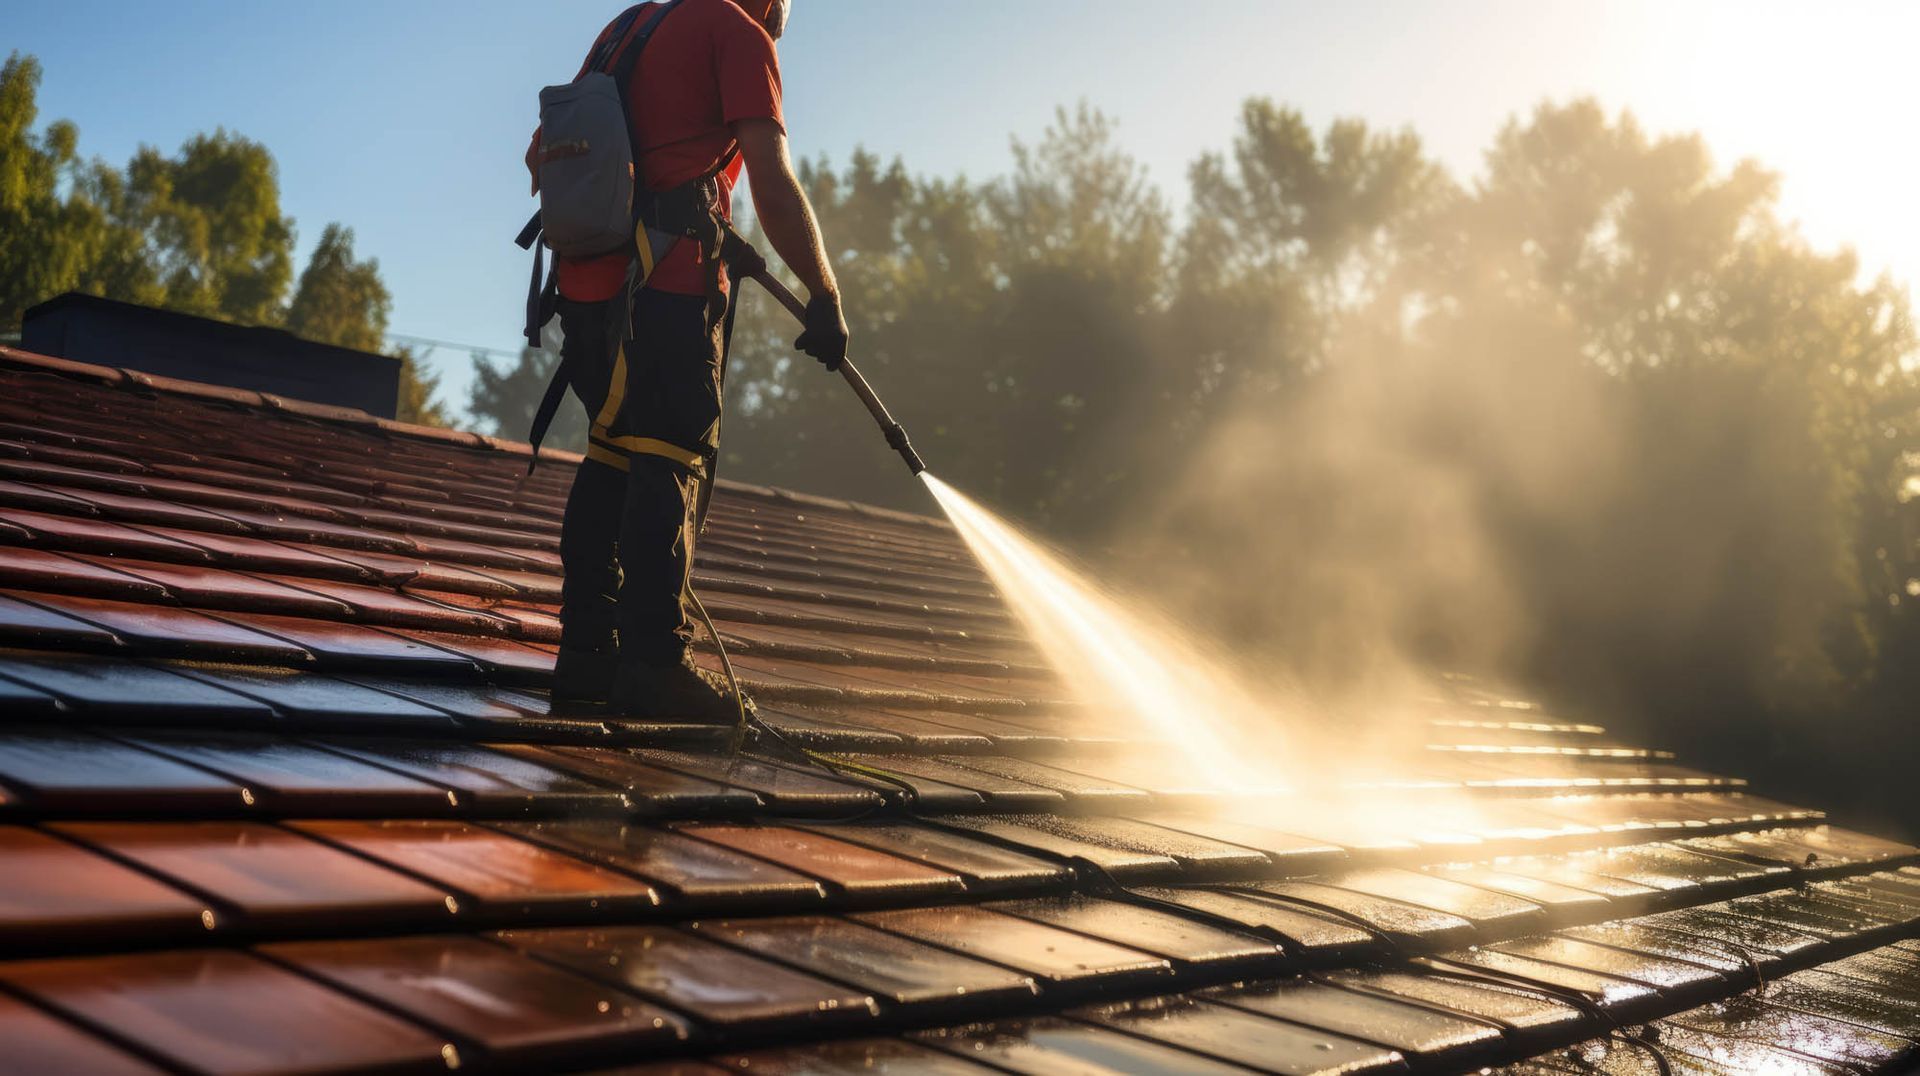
x=704 y=101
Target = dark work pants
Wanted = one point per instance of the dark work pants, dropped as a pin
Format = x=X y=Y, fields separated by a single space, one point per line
x=627 y=542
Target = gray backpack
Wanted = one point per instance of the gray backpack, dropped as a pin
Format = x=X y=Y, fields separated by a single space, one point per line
x=586 y=162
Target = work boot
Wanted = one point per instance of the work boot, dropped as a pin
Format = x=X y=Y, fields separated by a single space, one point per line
x=679 y=693
x=582 y=682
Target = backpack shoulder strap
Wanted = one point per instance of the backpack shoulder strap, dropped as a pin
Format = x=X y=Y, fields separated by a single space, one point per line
x=604 y=50
x=622 y=70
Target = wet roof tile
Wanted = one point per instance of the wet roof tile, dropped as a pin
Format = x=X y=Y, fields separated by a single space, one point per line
x=1309 y=937
x=26 y=624
x=126 y=691
x=39 y=1042
x=695 y=876
x=269 y=877
x=1533 y=1019
x=1048 y=1044
x=1891 y=966
x=316 y=701
x=850 y=871
x=356 y=647
x=501 y=660
x=219 y=588
x=786 y=790
x=1057 y=959
x=79 y=535
x=899 y=973
x=1815 y=913
x=260 y=554
x=1559 y=902
x=929 y=776
x=885 y=625
x=1818 y=849
x=654 y=790
x=490 y=783
x=516 y=1011
x=855 y=1055
x=473 y=704
x=1752 y=1020
x=1187 y=941
x=1680 y=979
x=1491 y=911
x=25 y=568
x=1088 y=792
x=76 y=774
x=492 y=874
x=1625 y=1000
x=986 y=868
x=1408 y=925
x=1714 y=923
x=1243 y=1037
x=224 y=1012
x=715 y=984
x=1665 y=867
x=1892 y=1008
x=1421 y=1034
x=24 y=703
x=1036 y=835
x=41 y=499
x=287 y=777
x=58 y=893
x=1293 y=854
x=388 y=608
x=164 y=631
x=1734 y=964
x=1576 y=872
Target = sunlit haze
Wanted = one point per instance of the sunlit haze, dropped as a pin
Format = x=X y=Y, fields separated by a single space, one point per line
x=407 y=122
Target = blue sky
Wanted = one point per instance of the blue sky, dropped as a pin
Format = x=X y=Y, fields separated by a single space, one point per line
x=406 y=120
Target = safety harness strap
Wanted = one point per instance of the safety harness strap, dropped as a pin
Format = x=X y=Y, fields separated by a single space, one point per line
x=652 y=446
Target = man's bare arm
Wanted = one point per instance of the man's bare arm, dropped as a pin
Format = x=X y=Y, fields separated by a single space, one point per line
x=782 y=207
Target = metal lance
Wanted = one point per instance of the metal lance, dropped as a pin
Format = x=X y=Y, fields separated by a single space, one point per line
x=746 y=262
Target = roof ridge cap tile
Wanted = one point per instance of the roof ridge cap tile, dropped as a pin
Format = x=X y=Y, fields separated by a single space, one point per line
x=13 y=356
x=201 y=390
x=790 y=497
x=464 y=438
x=349 y=416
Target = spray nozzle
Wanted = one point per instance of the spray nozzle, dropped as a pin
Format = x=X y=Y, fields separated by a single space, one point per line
x=897 y=440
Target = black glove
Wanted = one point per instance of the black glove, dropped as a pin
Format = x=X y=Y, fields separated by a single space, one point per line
x=825 y=337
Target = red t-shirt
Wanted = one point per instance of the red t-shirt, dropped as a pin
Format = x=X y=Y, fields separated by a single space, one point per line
x=708 y=65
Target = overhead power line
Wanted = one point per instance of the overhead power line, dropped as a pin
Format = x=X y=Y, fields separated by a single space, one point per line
x=432 y=344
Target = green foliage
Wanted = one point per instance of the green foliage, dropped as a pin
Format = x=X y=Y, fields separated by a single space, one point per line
x=214 y=229
x=1013 y=313
x=509 y=394
x=1598 y=416
x=57 y=240
x=200 y=231
x=340 y=300
x=417 y=386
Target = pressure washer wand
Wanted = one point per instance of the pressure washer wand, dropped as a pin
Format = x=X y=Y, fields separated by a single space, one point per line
x=747 y=262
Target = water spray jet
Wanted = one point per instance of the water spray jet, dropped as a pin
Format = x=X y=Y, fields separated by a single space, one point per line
x=1113 y=654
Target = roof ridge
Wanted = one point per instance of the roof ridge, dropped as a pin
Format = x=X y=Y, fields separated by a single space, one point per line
x=130 y=379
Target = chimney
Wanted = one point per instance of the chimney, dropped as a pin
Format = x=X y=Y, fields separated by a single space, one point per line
x=107 y=332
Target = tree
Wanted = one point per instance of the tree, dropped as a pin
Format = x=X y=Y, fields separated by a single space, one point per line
x=417 y=386
x=343 y=301
x=508 y=395
x=200 y=231
x=1024 y=311
x=50 y=241
x=214 y=228
x=340 y=301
